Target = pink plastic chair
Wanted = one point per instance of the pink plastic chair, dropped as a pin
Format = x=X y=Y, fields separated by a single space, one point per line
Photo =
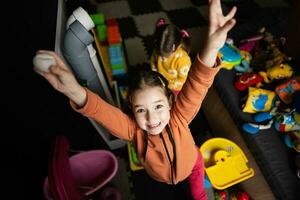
x=78 y=176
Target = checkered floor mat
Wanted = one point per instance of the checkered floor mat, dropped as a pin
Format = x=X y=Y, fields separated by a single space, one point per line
x=137 y=19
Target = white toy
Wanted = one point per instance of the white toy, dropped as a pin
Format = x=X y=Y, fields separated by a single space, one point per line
x=42 y=62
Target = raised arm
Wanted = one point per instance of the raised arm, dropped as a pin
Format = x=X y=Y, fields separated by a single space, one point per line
x=86 y=102
x=63 y=80
x=204 y=68
x=219 y=25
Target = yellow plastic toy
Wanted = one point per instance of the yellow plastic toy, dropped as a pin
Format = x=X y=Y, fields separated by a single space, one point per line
x=225 y=163
x=133 y=160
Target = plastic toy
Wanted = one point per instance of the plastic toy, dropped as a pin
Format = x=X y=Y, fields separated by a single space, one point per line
x=208 y=188
x=244 y=66
x=133 y=158
x=42 y=62
x=78 y=51
x=98 y=18
x=101 y=32
x=231 y=194
x=239 y=196
x=115 y=48
x=221 y=195
x=230 y=56
x=116 y=59
x=225 y=163
x=113 y=33
x=79 y=176
x=99 y=21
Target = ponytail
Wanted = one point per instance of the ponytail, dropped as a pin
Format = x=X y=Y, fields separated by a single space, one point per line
x=166 y=35
x=186 y=40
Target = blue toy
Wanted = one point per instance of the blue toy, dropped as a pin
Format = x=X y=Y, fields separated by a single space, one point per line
x=244 y=66
x=230 y=56
x=284 y=120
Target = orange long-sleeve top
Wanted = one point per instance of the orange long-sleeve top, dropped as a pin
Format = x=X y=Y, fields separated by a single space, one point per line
x=185 y=108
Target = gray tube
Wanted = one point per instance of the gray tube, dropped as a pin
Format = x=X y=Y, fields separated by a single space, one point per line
x=75 y=50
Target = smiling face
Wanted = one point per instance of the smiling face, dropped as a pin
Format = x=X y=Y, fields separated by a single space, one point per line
x=151 y=109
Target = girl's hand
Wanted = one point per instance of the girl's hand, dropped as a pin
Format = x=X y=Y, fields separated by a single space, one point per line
x=63 y=80
x=219 y=25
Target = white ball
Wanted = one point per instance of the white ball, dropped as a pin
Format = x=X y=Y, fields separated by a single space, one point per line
x=42 y=62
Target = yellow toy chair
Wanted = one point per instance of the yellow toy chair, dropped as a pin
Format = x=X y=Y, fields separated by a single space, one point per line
x=225 y=163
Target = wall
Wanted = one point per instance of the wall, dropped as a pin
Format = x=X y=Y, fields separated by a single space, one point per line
x=293 y=38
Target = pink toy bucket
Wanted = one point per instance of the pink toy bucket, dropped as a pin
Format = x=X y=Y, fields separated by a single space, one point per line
x=91 y=170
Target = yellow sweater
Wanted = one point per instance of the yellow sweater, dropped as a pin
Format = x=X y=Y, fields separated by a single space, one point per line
x=182 y=113
x=174 y=68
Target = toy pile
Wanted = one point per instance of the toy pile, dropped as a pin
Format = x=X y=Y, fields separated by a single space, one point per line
x=231 y=194
x=268 y=83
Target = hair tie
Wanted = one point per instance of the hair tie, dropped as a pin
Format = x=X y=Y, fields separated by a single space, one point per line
x=184 y=34
x=160 y=22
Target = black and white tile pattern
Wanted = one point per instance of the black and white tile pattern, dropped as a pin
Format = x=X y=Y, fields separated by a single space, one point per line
x=137 y=19
x=137 y=22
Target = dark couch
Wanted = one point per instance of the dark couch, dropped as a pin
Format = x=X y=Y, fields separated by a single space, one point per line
x=271 y=154
x=274 y=158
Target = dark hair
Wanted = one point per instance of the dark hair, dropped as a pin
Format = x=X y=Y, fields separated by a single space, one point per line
x=167 y=35
x=142 y=78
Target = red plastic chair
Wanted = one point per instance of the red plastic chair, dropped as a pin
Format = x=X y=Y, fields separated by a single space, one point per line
x=78 y=176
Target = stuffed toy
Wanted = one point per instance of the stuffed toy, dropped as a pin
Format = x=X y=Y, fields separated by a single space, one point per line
x=284 y=120
x=247 y=80
x=292 y=139
x=282 y=71
x=269 y=53
x=279 y=71
x=286 y=90
x=259 y=100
